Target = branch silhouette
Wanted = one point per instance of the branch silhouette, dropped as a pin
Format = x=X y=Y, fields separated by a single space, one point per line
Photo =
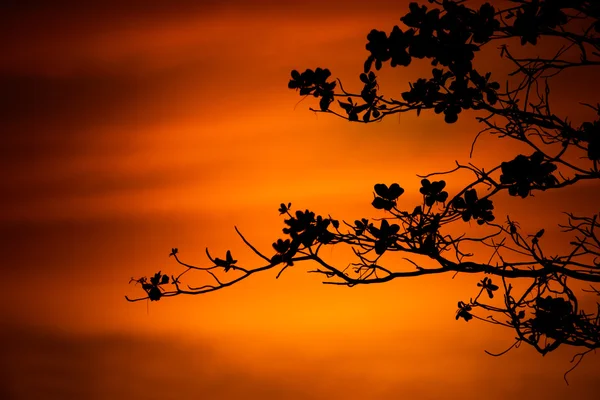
x=542 y=307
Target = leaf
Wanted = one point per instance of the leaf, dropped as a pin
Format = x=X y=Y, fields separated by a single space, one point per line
x=324 y=103
x=220 y=263
x=540 y=233
x=464 y=315
x=381 y=189
x=450 y=117
x=395 y=191
x=361 y=108
x=164 y=280
x=368 y=63
x=380 y=247
x=155 y=280
x=471 y=196
x=381 y=203
x=439 y=108
x=459 y=203
x=277 y=259
x=281 y=246
x=283 y=208
x=385 y=225
x=492 y=98
x=154 y=294
x=463 y=311
x=367 y=116
x=173 y=251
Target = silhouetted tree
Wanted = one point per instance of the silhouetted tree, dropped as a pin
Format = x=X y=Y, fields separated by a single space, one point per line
x=544 y=312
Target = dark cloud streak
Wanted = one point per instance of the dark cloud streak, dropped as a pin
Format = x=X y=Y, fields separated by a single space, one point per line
x=60 y=365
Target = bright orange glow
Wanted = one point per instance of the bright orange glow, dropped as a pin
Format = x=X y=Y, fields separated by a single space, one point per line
x=131 y=131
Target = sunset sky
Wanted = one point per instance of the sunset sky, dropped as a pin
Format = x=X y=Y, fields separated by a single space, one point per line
x=129 y=128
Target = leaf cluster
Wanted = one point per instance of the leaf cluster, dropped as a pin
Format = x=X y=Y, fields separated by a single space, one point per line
x=304 y=230
x=470 y=206
x=524 y=173
x=153 y=286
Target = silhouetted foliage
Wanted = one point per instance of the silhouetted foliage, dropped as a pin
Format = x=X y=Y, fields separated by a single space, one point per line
x=544 y=311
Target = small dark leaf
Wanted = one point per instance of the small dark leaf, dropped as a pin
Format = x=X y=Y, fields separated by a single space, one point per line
x=368 y=63
x=155 y=280
x=154 y=294
x=395 y=191
x=324 y=103
x=346 y=106
x=381 y=203
x=380 y=247
x=367 y=116
x=540 y=233
x=381 y=189
x=229 y=258
x=283 y=208
x=450 y=117
x=464 y=311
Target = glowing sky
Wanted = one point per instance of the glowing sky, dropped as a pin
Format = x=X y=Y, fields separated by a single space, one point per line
x=130 y=129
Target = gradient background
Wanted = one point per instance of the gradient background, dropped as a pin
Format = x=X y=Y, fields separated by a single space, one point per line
x=130 y=129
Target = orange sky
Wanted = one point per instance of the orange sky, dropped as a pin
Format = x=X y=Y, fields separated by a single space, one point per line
x=128 y=130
